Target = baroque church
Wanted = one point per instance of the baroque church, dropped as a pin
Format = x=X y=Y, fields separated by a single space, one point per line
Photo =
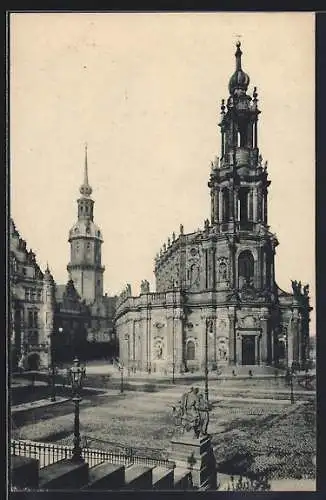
x=75 y=318
x=215 y=288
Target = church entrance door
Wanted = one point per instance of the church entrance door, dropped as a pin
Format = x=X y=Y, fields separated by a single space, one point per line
x=248 y=350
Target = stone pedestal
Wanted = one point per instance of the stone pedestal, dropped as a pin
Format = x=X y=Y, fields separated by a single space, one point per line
x=196 y=455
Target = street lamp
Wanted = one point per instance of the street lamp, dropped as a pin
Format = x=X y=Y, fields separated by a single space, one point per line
x=209 y=327
x=77 y=374
x=52 y=368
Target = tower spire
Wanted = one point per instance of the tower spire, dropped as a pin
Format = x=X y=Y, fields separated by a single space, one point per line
x=239 y=81
x=86 y=167
x=85 y=188
x=238 y=55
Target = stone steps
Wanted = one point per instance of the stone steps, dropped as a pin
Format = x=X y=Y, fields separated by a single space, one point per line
x=65 y=474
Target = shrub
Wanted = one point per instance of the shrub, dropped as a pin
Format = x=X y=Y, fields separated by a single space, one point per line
x=249 y=484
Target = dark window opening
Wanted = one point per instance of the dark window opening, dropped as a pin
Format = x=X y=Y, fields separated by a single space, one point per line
x=245 y=267
x=243 y=206
x=242 y=136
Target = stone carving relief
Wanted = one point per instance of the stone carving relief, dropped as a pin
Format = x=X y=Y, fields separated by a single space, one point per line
x=222 y=325
x=222 y=348
x=222 y=269
x=248 y=322
x=159 y=325
x=193 y=274
x=158 y=347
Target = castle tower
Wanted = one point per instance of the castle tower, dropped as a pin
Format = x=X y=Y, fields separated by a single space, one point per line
x=85 y=240
x=239 y=188
x=47 y=317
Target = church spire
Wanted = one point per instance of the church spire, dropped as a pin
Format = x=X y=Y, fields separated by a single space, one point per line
x=85 y=189
x=239 y=81
x=238 y=55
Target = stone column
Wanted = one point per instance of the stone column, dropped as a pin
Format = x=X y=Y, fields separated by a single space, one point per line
x=231 y=202
x=255 y=207
x=235 y=200
x=213 y=214
x=220 y=207
x=149 y=330
x=295 y=331
x=203 y=342
x=232 y=335
x=259 y=205
x=179 y=340
x=238 y=349
x=291 y=337
x=250 y=204
x=217 y=204
x=265 y=217
x=264 y=317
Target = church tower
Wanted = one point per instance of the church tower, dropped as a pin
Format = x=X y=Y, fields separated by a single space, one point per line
x=85 y=238
x=239 y=187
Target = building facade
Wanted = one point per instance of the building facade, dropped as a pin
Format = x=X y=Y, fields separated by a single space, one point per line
x=31 y=305
x=215 y=288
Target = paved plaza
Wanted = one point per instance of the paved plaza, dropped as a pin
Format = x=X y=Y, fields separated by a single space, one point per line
x=274 y=433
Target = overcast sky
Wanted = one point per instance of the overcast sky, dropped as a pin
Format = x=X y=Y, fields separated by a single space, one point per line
x=144 y=91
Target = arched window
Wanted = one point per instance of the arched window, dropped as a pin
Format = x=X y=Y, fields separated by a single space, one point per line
x=191 y=350
x=245 y=267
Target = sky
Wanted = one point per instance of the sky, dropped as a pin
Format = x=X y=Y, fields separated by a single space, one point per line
x=144 y=92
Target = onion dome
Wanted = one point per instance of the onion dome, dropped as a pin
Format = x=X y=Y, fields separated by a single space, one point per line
x=85 y=189
x=239 y=80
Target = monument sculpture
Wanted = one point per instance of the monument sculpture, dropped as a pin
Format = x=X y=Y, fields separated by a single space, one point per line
x=191 y=414
x=192 y=445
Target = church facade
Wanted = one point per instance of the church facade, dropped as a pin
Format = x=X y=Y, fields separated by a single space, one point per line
x=216 y=293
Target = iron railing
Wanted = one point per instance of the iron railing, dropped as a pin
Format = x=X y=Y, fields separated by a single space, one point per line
x=49 y=453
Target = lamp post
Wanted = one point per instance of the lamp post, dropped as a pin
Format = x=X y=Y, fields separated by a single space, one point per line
x=209 y=327
x=77 y=374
